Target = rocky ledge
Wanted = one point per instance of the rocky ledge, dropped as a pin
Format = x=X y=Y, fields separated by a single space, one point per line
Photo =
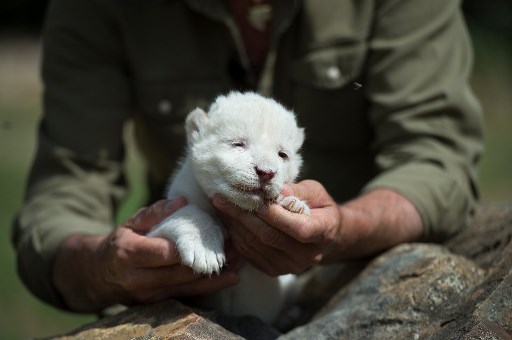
x=461 y=289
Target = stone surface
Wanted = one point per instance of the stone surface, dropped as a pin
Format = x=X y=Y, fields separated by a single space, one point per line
x=459 y=290
x=163 y=320
x=487 y=237
x=404 y=294
x=487 y=312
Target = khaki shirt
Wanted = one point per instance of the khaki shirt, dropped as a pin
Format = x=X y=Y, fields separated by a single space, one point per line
x=413 y=126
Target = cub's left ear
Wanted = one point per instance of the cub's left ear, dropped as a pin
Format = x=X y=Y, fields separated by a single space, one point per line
x=195 y=123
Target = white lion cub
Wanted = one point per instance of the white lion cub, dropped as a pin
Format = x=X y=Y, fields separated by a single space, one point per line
x=245 y=149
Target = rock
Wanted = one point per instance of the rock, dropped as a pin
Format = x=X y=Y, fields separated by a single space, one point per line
x=487 y=237
x=404 y=294
x=163 y=320
x=459 y=290
x=172 y=320
x=487 y=312
x=319 y=285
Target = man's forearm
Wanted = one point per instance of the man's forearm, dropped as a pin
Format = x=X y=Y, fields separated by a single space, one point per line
x=72 y=275
x=375 y=221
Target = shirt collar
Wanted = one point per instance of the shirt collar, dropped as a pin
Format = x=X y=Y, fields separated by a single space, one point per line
x=284 y=10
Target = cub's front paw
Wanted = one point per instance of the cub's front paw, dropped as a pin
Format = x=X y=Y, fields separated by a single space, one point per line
x=293 y=204
x=199 y=240
x=203 y=253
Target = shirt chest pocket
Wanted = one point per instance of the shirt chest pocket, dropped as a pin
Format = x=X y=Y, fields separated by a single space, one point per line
x=328 y=95
x=163 y=106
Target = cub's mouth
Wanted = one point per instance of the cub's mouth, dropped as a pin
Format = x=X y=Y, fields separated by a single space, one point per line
x=247 y=189
x=253 y=190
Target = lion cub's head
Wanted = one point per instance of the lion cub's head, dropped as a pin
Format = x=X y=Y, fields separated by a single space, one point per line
x=245 y=148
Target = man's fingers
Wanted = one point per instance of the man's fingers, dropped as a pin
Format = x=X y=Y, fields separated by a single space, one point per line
x=201 y=285
x=250 y=227
x=244 y=240
x=256 y=237
x=312 y=192
x=144 y=252
x=206 y=285
x=298 y=252
x=228 y=208
x=148 y=217
x=161 y=277
x=255 y=252
x=267 y=248
x=297 y=226
x=295 y=189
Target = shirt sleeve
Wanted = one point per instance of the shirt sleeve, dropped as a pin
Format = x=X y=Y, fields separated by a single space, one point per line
x=427 y=122
x=76 y=180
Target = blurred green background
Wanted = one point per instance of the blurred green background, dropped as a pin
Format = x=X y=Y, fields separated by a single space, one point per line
x=21 y=315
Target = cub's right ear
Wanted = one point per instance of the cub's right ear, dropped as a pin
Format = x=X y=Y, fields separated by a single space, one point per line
x=195 y=123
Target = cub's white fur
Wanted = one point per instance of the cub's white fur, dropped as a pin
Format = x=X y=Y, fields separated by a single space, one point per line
x=245 y=149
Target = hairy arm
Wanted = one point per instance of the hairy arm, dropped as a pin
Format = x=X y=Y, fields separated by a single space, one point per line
x=375 y=221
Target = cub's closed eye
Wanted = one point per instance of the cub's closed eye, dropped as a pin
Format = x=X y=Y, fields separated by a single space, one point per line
x=238 y=144
x=283 y=155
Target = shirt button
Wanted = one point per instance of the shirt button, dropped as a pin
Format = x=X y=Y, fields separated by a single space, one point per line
x=333 y=73
x=165 y=106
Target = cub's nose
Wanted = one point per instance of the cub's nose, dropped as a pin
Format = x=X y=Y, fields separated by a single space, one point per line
x=264 y=175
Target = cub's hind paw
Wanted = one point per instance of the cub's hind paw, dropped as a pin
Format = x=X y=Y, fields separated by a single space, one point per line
x=293 y=204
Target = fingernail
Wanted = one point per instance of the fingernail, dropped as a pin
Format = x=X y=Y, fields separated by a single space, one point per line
x=287 y=190
x=138 y=213
x=174 y=204
x=169 y=205
x=135 y=219
x=263 y=209
x=219 y=202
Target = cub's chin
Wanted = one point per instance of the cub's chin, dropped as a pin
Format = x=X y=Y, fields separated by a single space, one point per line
x=249 y=198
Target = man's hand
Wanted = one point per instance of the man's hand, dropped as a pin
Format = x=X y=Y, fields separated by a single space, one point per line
x=278 y=241
x=94 y=272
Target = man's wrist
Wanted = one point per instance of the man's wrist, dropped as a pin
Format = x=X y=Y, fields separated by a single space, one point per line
x=376 y=221
x=74 y=275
